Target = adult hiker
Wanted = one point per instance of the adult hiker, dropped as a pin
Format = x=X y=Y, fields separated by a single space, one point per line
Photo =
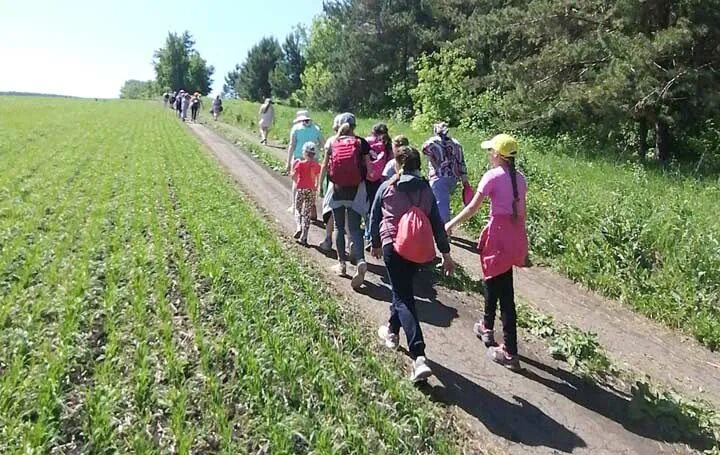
x=178 y=103
x=326 y=245
x=166 y=98
x=302 y=131
x=399 y=141
x=185 y=105
x=503 y=244
x=405 y=226
x=305 y=174
x=381 y=150
x=195 y=103
x=446 y=166
x=217 y=107
x=346 y=162
x=267 y=119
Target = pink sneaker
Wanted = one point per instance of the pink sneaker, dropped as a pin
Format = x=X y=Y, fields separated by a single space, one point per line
x=500 y=355
x=486 y=335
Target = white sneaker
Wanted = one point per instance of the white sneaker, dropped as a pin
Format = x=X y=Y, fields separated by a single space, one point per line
x=392 y=340
x=420 y=371
x=291 y=209
x=359 y=277
x=340 y=269
x=326 y=245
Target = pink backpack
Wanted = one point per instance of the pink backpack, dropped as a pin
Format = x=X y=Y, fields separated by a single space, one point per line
x=415 y=241
x=377 y=164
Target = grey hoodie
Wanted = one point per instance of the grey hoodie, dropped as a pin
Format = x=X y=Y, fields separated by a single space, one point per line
x=393 y=201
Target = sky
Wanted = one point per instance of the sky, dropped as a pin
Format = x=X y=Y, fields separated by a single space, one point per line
x=89 y=48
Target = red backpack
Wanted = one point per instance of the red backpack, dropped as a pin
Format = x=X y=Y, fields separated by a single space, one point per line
x=414 y=240
x=344 y=168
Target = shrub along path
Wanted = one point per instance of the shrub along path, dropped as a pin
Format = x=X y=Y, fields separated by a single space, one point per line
x=632 y=341
x=545 y=409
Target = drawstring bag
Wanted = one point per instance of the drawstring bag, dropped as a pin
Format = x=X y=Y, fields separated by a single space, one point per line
x=468 y=193
x=414 y=241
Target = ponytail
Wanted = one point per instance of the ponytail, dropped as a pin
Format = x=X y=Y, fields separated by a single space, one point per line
x=408 y=160
x=345 y=130
x=513 y=179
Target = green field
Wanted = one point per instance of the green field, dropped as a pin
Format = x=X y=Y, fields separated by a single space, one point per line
x=636 y=234
x=146 y=308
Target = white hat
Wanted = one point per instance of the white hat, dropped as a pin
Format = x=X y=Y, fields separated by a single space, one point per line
x=301 y=116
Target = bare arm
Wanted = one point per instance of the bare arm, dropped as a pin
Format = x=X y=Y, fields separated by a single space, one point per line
x=471 y=209
x=323 y=169
x=290 y=150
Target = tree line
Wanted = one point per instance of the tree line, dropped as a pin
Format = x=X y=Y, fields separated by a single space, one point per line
x=640 y=76
x=178 y=65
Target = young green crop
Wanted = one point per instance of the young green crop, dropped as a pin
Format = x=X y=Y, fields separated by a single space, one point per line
x=146 y=308
x=636 y=234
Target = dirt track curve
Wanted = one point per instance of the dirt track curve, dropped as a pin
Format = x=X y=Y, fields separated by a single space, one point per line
x=544 y=409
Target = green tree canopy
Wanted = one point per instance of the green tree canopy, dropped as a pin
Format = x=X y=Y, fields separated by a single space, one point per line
x=179 y=66
x=253 y=76
x=285 y=78
x=139 y=90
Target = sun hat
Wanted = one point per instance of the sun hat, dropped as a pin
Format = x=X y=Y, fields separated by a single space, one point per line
x=504 y=144
x=309 y=147
x=301 y=116
x=441 y=128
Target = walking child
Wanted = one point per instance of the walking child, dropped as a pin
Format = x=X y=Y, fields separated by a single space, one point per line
x=306 y=174
x=399 y=141
x=503 y=244
x=405 y=226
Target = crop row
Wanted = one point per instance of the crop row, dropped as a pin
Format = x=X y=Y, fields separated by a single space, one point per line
x=146 y=308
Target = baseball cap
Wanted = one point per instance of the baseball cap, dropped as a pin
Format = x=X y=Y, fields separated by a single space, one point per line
x=348 y=118
x=309 y=147
x=504 y=144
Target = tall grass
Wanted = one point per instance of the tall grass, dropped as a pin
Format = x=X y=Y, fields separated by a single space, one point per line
x=641 y=235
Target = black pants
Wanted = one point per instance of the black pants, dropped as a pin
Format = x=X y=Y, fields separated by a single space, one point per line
x=500 y=288
x=194 y=111
x=402 y=312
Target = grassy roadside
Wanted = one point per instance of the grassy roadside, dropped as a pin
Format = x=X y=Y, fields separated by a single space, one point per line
x=147 y=308
x=678 y=417
x=631 y=233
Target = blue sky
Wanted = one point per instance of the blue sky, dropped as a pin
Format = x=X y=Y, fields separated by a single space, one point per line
x=90 y=47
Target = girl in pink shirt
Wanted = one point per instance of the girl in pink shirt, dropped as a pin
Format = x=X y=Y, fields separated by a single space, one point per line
x=305 y=174
x=503 y=244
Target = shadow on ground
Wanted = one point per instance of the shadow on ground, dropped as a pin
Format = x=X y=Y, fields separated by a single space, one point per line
x=517 y=421
x=665 y=425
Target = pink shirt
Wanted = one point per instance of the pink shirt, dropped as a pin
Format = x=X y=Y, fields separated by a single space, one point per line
x=497 y=186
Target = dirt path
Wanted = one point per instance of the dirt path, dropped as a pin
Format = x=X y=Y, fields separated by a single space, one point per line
x=632 y=341
x=544 y=409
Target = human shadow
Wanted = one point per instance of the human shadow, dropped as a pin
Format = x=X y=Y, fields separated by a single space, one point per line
x=518 y=421
x=465 y=244
x=619 y=407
